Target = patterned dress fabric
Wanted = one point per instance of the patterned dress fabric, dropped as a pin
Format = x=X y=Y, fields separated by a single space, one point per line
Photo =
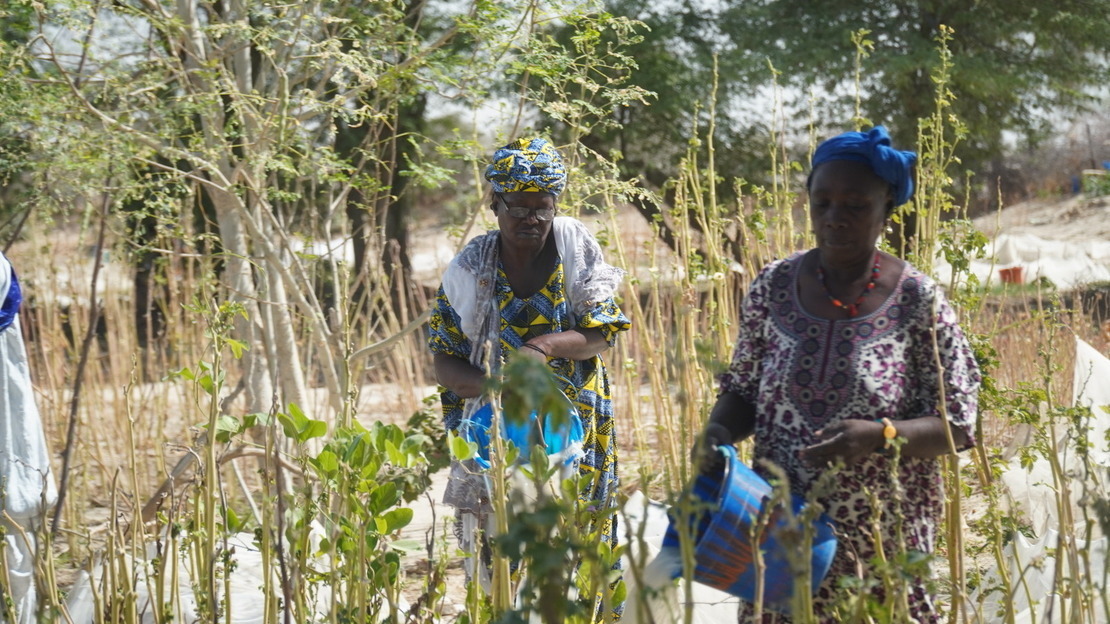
x=803 y=373
x=548 y=311
x=527 y=165
x=543 y=313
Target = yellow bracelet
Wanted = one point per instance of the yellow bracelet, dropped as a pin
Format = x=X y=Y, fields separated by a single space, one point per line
x=889 y=432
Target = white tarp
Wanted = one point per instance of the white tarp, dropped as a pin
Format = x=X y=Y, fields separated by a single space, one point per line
x=650 y=599
x=244 y=586
x=1034 y=490
x=1037 y=594
x=644 y=523
x=1092 y=388
x=1037 y=597
x=1067 y=264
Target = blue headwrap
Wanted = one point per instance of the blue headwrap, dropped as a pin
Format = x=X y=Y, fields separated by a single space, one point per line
x=874 y=149
x=530 y=165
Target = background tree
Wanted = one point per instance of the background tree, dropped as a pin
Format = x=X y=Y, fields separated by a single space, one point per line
x=1014 y=65
x=233 y=108
x=16 y=28
x=674 y=61
x=1016 y=71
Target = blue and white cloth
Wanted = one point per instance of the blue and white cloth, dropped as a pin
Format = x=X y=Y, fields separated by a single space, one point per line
x=26 y=481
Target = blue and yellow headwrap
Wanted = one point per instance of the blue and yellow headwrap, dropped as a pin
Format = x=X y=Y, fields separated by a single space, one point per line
x=530 y=165
x=874 y=149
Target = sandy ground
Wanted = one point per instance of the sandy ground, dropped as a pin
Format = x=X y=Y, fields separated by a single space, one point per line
x=1075 y=219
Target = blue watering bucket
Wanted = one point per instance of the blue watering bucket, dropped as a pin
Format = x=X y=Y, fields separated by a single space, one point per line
x=564 y=439
x=731 y=504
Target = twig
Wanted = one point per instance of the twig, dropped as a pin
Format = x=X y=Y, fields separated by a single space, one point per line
x=246 y=493
x=155 y=501
x=79 y=374
x=191 y=458
x=383 y=344
x=18 y=229
x=286 y=586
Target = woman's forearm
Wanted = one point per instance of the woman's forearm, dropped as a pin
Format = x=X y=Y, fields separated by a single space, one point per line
x=926 y=438
x=459 y=376
x=735 y=414
x=573 y=344
x=467 y=381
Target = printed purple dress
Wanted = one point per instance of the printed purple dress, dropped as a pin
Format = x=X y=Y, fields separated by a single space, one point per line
x=803 y=373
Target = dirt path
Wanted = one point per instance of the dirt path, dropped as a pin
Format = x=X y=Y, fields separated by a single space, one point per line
x=1072 y=219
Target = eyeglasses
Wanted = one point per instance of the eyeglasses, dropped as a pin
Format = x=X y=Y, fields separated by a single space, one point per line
x=523 y=212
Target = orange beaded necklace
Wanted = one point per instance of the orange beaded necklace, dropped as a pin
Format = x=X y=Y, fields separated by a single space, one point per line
x=852 y=308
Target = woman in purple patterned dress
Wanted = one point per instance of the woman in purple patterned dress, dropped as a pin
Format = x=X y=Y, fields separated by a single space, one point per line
x=843 y=349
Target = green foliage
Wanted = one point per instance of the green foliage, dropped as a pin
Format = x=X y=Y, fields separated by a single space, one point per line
x=530 y=388
x=585 y=82
x=1012 y=63
x=203 y=376
x=552 y=541
x=300 y=427
x=679 y=61
x=1097 y=185
x=428 y=421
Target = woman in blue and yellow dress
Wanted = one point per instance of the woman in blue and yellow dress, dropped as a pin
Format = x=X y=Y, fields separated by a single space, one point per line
x=538 y=286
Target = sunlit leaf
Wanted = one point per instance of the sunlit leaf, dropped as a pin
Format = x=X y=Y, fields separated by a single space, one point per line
x=397 y=519
x=461 y=449
x=227 y=426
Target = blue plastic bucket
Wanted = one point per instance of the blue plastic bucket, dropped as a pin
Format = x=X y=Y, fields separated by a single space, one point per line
x=535 y=430
x=733 y=501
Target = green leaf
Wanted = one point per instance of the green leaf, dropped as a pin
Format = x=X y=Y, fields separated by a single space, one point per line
x=383 y=497
x=397 y=519
x=184 y=373
x=370 y=468
x=327 y=463
x=289 y=425
x=237 y=348
x=299 y=427
x=257 y=418
x=620 y=593
x=358 y=451
x=206 y=383
x=314 y=429
x=295 y=411
x=227 y=426
x=414 y=444
x=461 y=449
x=409 y=546
x=393 y=454
x=232 y=521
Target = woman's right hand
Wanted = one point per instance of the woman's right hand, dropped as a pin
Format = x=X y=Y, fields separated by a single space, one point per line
x=459 y=375
x=705 y=455
x=534 y=351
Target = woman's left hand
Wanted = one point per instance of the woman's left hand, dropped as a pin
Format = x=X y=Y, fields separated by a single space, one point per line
x=850 y=440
